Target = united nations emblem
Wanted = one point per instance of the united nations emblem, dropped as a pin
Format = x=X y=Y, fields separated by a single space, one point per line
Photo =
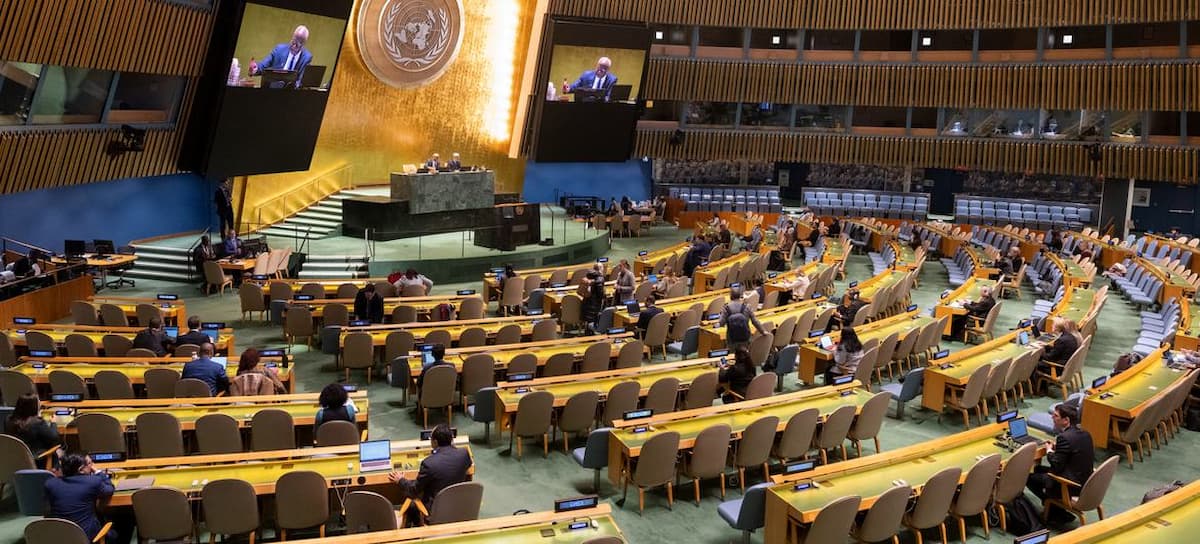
x=409 y=43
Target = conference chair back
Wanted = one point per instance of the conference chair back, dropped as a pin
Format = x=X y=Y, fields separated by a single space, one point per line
x=621 y=398
x=112 y=385
x=112 y=315
x=579 y=414
x=404 y=313
x=834 y=430
x=100 y=432
x=754 y=448
x=55 y=531
x=471 y=308
x=284 y=291
x=662 y=395
x=79 y=345
x=976 y=491
x=359 y=351
x=798 y=433
x=508 y=334
x=523 y=363
x=8 y=356
x=337 y=433
x=438 y=336
x=709 y=453
x=13 y=385
x=559 y=364
x=141 y=353
x=473 y=337
x=272 y=429
x=192 y=388
x=656 y=464
x=40 y=341
x=146 y=313
x=160 y=382
x=84 y=313
x=385 y=289
x=932 y=506
x=833 y=522
x=1091 y=496
x=455 y=503
x=367 y=511
x=631 y=354
x=116 y=345
x=336 y=314
x=163 y=514
x=187 y=350
x=159 y=435
x=230 y=507
x=596 y=358
x=760 y=348
x=397 y=344
x=656 y=332
x=14 y=456
x=762 y=386
x=299 y=323
x=314 y=290
x=701 y=391
x=546 y=329
x=534 y=414
x=217 y=434
x=882 y=520
x=67 y=382
x=347 y=291
x=782 y=335
x=301 y=501
x=869 y=421
x=478 y=371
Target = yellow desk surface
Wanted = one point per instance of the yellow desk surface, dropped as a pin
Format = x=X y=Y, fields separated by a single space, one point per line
x=423 y=304
x=703 y=276
x=455 y=328
x=1174 y=517
x=564 y=387
x=263 y=469
x=644 y=264
x=303 y=409
x=330 y=284
x=491 y=288
x=776 y=282
x=522 y=529
x=868 y=288
x=963 y=363
x=1075 y=303
x=237 y=265
x=671 y=306
x=171 y=310
x=59 y=333
x=625 y=444
x=870 y=476
x=107 y=261
x=87 y=367
x=1131 y=390
x=953 y=302
x=836 y=251
x=1188 y=336
x=813 y=355
x=712 y=334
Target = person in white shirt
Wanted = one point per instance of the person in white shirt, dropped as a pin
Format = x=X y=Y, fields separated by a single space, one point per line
x=411 y=277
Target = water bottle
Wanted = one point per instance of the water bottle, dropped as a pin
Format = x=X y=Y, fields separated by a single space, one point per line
x=551 y=94
x=235 y=73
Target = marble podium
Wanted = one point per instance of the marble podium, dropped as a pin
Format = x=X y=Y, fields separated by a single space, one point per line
x=444 y=192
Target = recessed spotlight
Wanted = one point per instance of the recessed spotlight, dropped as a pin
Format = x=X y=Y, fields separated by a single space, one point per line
x=658 y=34
x=1068 y=39
x=926 y=41
x=776 y=40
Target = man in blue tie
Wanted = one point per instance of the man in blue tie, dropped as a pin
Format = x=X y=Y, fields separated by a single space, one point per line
x=291 y=56
x=599 y=80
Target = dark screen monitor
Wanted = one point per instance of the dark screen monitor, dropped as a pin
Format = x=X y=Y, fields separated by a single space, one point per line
x=279 y=79
x=312 y=77
x=74 y=248
x=104 y=247
x=620 y=93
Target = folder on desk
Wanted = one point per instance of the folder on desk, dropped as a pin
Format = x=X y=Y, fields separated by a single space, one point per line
x=134 y=484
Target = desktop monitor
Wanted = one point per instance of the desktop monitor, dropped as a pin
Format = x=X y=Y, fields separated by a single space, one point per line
x=104 y=247
x=74 y=248
x=1099 y=382
x=632 y=306
x=279 y=79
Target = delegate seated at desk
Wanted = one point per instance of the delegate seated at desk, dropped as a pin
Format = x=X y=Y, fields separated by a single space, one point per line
x=600 y=79
x=154 y=338
x=205 y=369
x=291 y=56
x=976 y=309
x=444 y=467
x=1070 y=456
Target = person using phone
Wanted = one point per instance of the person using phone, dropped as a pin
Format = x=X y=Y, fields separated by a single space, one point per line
x=75 y=495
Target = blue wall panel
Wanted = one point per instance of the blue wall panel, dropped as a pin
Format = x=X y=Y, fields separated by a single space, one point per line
x=121 y=210
x=545 y=182
x=1170 y=206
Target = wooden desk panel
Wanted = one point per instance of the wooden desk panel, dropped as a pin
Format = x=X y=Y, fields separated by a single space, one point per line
x=1132 y=390
x=814 y=359
x=952 y=303
x=59 y=333
x=962 y=363
x=134 y=369
x=455 y=328
x=48 y=304
x=1174 y=517
x=503 y=530
x=703 y=277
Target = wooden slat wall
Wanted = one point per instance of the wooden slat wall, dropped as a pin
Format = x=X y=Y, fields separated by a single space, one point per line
x=882 y=14
x=1119 y=86
x=148 y=36
x=1164 y=163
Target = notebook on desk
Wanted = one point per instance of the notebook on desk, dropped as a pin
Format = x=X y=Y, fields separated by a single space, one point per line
x=134 y=484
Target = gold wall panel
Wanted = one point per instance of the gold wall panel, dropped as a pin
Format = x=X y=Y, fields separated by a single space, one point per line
x=376 y=129
x=1161 y=163
x=882 y=14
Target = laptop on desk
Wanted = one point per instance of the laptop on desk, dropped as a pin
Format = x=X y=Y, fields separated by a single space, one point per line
x=1018 y=430
x=375 y=456
x=312 y=77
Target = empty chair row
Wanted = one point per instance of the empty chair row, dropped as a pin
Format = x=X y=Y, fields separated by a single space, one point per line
x=867 y=203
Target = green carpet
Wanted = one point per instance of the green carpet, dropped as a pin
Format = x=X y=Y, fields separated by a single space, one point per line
x=535 y=482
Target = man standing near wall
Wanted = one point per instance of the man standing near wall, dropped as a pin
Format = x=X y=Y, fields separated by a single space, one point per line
x=222 y=198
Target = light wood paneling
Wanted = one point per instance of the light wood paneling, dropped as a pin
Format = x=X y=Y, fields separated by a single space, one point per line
x=48 y=304
x=1164 y=163
x=882 y=14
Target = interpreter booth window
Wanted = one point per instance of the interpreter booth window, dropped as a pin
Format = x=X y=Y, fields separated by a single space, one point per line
x=18 y=80
x=1009 y=124
x=957 y=124
x=1008 y=45
x=1125 y=127
x=145 y=99
x=1164 y=128
x=1146 y=41
x=720 y=42
x=713 y=114
x=663 y=111
x=671 y=40
x=945 y=45
x=811 y=118
x=1193 y=127
x=885 y=46
x=71 y=96
x=924 y=122
x=774 y=44
x=1067 y=124
x=883 y=121
x=1193 y=33
x=829 y=45
x=766 y=115
x=1075 y=43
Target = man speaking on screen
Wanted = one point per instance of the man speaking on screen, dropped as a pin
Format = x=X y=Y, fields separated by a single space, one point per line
x=596 y=82
x=291 y=56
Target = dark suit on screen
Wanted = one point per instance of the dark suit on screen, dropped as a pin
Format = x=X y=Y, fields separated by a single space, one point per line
x=587 y=81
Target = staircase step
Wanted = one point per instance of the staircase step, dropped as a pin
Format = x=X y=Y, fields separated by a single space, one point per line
x=334 y=216
x=332 y=274
x=315 y=222
x=156 y=275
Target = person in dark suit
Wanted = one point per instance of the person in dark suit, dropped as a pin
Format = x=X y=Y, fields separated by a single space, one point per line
x=600 y=79
x=194 y=336
x=724 y=237
x=977 y=309
x=439 y=359
x=434 y=163
x=737 y=377
x=26 y=423
x=455 y=163
x=75 y=495
x=207 y=370
x=291 y=56
x=700 y=250
x=1063 y=347
x=223 y=200
x=1012 y=264
x=843 y=315
x=446 y=466
x=1070 y=456
x=647 y=313
x=153 y=338
x=368 y=304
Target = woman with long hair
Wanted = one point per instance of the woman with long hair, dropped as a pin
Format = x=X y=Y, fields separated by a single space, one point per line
x=846 y=357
